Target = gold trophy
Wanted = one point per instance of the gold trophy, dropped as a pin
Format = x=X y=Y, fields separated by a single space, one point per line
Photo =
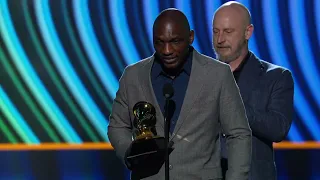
x=147 y=146
x=144 y=121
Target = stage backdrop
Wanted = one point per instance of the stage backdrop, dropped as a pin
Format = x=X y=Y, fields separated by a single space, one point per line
x=61 y=60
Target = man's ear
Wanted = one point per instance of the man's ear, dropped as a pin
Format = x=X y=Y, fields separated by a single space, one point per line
x=191 y=37
x=249 y=31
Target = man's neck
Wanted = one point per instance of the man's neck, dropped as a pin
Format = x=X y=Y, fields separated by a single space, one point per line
x=236 y=63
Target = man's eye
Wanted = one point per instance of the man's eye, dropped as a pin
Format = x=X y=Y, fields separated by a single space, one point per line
x=159 y=42
x=176 y=41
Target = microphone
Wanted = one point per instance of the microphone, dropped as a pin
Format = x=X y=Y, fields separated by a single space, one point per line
x=168 y=92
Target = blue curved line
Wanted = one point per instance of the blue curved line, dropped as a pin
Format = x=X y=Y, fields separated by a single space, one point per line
x=211 y=7
x=121 y=29
x=151 y=11
x=34 y=83
x=139 y=33
x=317 y=14
x=90 y=42
x=303 y=109
x=302 y=46
x=185 y=7
x=292 y=133
x=107 y=35
x=270 y=15
x=32 y=138
x=66 y=70
x=253 y=46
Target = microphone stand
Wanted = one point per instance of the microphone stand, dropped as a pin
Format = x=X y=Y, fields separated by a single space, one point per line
x=166 y=136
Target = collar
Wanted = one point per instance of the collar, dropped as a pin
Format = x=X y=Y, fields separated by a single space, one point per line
x=241 y=65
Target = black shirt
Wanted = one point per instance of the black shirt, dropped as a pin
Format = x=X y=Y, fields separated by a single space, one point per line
x=237 y=71
x=179 y=83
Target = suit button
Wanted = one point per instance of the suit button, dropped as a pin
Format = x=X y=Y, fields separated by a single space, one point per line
x=224 y=135
x=170 y=166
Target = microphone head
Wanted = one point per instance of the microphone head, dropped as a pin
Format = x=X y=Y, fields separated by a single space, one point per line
x=168 y=90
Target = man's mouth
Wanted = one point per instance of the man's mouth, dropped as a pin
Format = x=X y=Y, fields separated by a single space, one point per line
x=170 y=60
x=222 y=47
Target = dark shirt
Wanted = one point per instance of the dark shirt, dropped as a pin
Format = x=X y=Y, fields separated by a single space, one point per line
x=179 y=83
x=237 y=71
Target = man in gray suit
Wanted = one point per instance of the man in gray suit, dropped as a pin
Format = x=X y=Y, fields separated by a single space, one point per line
x=206 y=98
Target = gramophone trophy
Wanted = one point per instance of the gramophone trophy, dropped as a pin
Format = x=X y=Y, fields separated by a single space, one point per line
x=145 y=142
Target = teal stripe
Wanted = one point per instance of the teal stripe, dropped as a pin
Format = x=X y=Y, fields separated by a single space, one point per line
x=44 y=59
x=80 y=55
x=30 y=77
x=26 y=97
x=16 y=119
x=90 y=42
x=66 y=70
x=108 y=35
x=5 y=130
x=120 y=26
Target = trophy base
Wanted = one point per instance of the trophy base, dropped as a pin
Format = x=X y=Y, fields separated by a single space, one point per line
x=143 y=147
x=146 y=154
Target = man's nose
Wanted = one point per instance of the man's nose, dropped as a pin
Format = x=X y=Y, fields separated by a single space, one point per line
x=167 y=49
x=221 y=38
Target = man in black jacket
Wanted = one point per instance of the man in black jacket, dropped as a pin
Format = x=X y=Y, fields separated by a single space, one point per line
x=266 y=89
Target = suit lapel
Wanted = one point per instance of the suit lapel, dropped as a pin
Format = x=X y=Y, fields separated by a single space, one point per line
x=147 y=89
x=194 y=88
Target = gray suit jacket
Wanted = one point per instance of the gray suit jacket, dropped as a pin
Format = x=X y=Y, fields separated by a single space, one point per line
x=212 y=98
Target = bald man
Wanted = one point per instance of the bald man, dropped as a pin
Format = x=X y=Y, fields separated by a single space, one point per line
x=200 y=104
x=266 y=89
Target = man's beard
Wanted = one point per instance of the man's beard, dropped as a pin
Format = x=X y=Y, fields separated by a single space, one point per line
x=229 y=58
